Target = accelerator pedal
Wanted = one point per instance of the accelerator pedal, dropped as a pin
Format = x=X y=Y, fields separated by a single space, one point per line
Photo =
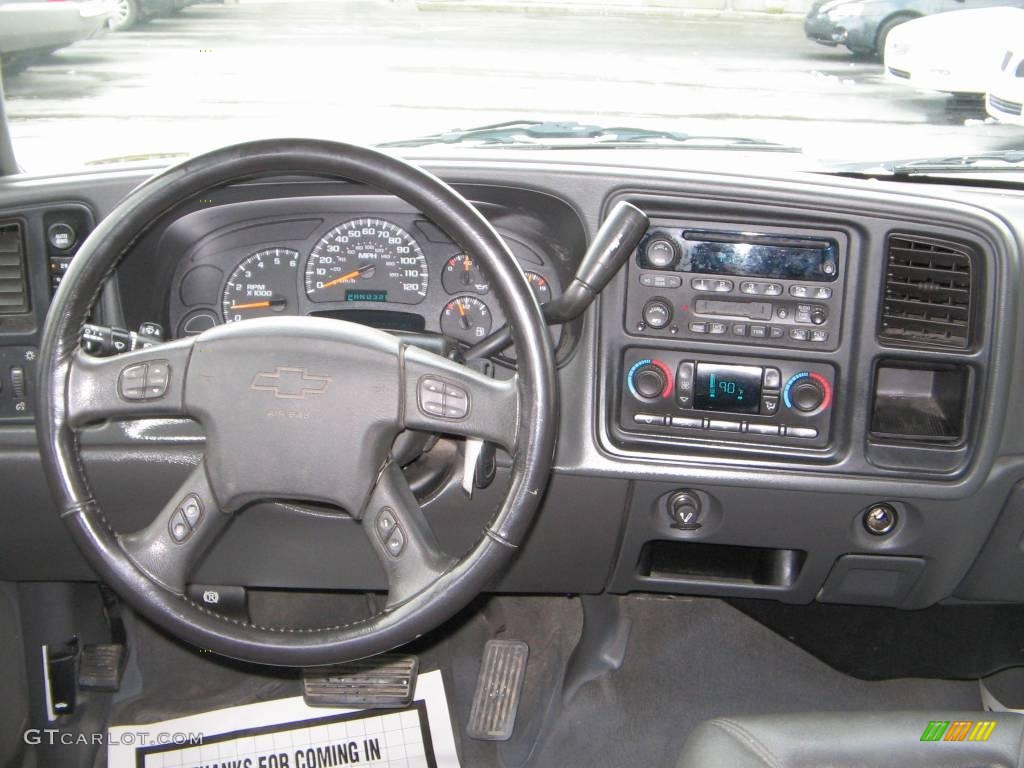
x=496 y=701
x=387 y=681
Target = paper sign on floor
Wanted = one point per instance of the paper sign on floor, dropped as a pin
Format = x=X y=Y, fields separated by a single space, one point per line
x=288 y=734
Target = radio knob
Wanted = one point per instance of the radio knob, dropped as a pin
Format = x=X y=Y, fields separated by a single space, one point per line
x=818 y=315
x=649 y=382
x=661 y=253
x=657 y=313
x=807 y=395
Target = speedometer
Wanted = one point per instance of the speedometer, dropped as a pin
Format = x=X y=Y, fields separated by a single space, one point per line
x=367 y=260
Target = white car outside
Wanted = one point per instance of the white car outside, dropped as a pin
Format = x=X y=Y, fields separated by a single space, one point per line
x=959 y=52
x=1005 y=100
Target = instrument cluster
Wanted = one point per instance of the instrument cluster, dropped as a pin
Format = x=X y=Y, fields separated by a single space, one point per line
x=394 y=271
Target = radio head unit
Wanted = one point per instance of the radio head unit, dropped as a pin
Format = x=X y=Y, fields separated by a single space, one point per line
x=694 y=281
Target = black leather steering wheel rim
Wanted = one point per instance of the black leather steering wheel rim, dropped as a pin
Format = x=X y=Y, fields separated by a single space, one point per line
x=532 y=447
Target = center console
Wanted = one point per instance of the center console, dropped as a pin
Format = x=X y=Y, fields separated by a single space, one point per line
x=696 y=289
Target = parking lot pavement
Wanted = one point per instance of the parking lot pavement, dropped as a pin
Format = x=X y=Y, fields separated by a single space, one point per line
x=376 y=71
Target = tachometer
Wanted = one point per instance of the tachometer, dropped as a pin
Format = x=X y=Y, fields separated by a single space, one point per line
x=367 y=260
x=264 y=284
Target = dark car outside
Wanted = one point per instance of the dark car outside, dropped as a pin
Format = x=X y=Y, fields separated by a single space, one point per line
x=863 y=25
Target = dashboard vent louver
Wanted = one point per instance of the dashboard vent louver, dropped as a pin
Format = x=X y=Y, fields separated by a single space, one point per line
x=13 y=286
x=927 y=292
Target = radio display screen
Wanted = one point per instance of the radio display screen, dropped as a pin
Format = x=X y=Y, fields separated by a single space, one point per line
x=732 y=388
x=712 y=253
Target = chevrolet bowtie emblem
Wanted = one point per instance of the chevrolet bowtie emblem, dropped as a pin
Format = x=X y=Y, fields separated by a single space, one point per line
x=290 y=383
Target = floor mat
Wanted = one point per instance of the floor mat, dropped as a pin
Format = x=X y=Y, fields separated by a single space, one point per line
x=692 y=659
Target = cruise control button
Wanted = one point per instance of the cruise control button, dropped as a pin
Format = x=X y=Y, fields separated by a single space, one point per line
x=433 y=408
x=458 y=411
x=396 y=541
x=132 y=382
x=158 y=374
x=431 y=385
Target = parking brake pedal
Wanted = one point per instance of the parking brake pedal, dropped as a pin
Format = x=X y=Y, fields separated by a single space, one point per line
x=100 y=667
x=387 y=681
x=496 y=701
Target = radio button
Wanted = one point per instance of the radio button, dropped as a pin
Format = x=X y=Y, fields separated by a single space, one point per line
x=723 y=425
x=696 y=327
x=660 y=281
x=722 y=286
x=717 y=329
x=799 y=334
x=782 y=312
x=772 y=378
x=776 y=332
x=700 y=284
x=772 y=289
x=651 y=419
x=762 y=429
x=819 y=336
x=758 y=331
x=739 y=329
x=823 y=293
x=769 y=404
x=805 y=432
x=799 y=291
x=687 y=423
x=752 y=289
x=657 y=313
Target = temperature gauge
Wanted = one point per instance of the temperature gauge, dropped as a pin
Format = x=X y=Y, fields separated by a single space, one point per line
x=540 y=287
x=466 y=319
x=461 y=273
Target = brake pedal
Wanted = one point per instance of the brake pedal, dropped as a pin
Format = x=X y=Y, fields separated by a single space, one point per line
x=387 y=681
x=496 y=701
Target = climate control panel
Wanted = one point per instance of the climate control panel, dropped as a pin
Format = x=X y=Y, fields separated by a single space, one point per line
x=670 y=393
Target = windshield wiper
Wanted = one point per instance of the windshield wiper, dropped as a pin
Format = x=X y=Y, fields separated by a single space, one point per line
x=542 y=134
x=996 y=160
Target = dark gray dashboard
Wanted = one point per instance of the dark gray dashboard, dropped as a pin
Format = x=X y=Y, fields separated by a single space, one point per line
x=925 y=422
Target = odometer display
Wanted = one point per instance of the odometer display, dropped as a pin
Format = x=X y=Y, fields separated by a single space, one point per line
x=370 y=257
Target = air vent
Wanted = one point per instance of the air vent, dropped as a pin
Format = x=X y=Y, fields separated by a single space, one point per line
x=13 y=287
x=927 y=292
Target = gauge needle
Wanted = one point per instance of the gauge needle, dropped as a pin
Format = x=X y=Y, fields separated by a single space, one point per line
x=260 y=304
x=463 y=320
x=349 y=276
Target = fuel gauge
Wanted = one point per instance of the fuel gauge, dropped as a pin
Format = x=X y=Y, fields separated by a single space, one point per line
x=540 y=287
x=466 y=319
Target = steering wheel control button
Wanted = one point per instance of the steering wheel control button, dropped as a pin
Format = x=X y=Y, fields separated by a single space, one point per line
x=880 y=519
x=178 y=528
x=132 y=382
x=396 y=542
x=386 y=524
x=192 y=510
x=443 y=399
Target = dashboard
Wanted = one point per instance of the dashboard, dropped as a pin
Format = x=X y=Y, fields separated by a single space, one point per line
x=799 y=387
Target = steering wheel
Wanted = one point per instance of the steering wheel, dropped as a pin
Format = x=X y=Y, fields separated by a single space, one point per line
x=334 y=393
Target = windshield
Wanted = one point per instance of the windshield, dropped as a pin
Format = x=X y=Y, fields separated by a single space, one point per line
x=110 y=81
